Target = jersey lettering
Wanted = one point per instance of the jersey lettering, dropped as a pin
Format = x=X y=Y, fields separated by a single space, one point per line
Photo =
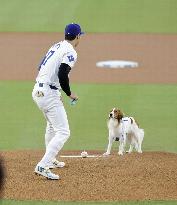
x=58 y=45
x=70 y=58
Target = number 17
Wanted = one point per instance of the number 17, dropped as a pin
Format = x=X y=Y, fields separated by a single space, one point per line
x=46 y=58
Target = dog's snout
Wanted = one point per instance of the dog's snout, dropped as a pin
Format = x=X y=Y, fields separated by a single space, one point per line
x=110 y=114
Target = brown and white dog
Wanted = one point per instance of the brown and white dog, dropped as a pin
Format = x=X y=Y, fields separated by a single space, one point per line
x=124 y=129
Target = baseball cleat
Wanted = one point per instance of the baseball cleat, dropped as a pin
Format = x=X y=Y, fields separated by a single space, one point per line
x=56 y=164
x=45 y=172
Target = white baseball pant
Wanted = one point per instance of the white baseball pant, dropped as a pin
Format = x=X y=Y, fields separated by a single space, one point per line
x=57 y=129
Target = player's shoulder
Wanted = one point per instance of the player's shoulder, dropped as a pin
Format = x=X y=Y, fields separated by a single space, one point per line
x=62 y=45
x=70 y=50
x=68 y=46
x=57 y=45
x=70 y=55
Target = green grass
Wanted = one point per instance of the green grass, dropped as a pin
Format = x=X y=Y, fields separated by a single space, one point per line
x=154 y=107
x=156 y=16
x=8 y=202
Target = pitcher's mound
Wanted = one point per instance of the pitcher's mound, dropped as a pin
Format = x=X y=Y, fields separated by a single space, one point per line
x=147 y=176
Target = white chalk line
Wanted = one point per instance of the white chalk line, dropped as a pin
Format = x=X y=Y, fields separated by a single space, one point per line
x=79 y=156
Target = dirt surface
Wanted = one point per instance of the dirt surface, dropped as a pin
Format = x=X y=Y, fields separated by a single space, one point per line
x=147 y=176
x=21 y=53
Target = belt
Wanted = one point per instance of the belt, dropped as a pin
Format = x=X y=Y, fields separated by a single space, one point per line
x=51 y=86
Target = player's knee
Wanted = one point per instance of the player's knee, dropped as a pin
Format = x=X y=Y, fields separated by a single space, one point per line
x=67 y=133
x=60 y=139
x=64 y=133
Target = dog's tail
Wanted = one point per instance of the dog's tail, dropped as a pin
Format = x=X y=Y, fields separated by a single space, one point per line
x=133 y=121
x=141 y=134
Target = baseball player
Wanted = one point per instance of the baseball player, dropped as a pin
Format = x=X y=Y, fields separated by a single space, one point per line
x=52 y=77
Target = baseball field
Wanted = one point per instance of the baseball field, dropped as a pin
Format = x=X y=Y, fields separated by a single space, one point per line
x=144 y=31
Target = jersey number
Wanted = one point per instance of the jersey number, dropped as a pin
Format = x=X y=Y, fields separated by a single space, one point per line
x=46 y=58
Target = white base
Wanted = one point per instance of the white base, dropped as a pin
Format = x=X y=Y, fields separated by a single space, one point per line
x=117 y=64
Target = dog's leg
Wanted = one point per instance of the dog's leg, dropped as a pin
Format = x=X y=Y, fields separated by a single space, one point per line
x=140 y=136
x=139 y=150
x=130 y=148
x=122 y=144
x=130 y=140
x=108 y=152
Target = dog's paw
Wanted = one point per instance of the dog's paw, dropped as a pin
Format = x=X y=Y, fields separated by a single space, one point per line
x=106 y=154
x=120 y=153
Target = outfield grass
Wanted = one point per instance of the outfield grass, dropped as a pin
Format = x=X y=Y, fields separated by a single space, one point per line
x=150 y=16
x=154 y=106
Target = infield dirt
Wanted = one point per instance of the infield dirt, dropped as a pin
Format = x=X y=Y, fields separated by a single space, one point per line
x=21 y=54
x=147 y=176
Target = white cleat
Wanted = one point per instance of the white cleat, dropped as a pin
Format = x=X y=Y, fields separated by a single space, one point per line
x=56 y=164
x=45 y=172
x=120 y=153
x=106 y=154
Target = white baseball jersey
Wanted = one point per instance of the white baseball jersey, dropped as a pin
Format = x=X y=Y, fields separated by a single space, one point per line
x=62 y=52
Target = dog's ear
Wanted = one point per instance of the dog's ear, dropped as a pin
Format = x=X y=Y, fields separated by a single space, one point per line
x=120 y=115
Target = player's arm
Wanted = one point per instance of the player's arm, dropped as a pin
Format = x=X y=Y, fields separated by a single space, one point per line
x=64 y=70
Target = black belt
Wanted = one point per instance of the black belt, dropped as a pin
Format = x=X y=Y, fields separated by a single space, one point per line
x=51 y=86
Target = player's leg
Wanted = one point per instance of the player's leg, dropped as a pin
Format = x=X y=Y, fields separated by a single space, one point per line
x=49 y=133
x=41 y=102
x=58 y=118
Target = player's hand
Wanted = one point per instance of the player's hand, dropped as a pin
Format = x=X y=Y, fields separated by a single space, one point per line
x=73 y=99
x=73 y=96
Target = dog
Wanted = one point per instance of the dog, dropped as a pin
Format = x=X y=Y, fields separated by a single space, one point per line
x=125 y=130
